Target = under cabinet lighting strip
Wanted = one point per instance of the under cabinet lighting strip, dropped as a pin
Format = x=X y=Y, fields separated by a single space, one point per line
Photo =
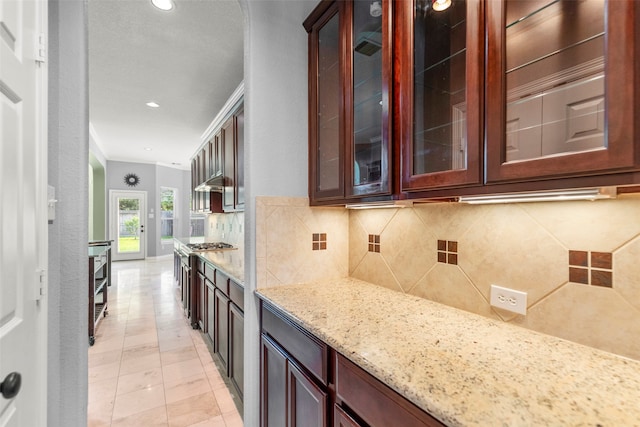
x=544 y=196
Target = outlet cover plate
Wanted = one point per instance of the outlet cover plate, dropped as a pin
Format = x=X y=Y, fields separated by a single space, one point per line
x=509 y=299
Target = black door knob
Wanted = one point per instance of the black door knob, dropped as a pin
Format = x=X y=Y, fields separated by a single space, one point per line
x=10 y=387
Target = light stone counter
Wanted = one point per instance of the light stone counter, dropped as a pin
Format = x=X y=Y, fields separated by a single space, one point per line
x=464 y=369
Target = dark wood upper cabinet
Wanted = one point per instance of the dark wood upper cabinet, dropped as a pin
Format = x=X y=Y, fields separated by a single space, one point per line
x=562 y=88
x=350 y=76
x=439 y=78
x=498 y=96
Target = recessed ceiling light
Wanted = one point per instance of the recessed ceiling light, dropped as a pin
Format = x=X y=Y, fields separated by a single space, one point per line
x=162 y=4
x=147 y=149
x=152 y=104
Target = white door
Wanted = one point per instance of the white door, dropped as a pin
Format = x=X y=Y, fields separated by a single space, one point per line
x=128 y=213
x=23 y=210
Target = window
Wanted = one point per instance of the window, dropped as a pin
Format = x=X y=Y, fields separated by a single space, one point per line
x=167 y=214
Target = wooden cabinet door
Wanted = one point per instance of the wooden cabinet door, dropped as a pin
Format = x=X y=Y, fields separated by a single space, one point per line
x=273 y=385
x=342 y=419
x=561 y=103
x=350 y=81
x=236 y=348
x=200 y=301
x=307 y=402
x=326 y=94
x=228 y=168
x=221 y=329
x=439 y=55
x=239 y=155
x=210 y=302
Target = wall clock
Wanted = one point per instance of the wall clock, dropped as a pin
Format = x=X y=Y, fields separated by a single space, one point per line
x=131 y=179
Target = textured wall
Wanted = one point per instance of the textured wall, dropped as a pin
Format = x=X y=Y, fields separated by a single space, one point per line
x=68 y=172
x=577 y=261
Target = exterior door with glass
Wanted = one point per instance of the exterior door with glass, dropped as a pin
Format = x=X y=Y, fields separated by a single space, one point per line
x=127 y=230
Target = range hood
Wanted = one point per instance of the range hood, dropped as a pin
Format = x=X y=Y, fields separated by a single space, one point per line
x=215 y=184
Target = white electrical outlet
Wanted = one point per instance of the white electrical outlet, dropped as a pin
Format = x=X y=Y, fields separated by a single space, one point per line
x=509 y=299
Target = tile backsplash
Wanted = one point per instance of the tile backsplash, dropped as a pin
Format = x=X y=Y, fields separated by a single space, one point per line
x=579 y=262
x=226 y=227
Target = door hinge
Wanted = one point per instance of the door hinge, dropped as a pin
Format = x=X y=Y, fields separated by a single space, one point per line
x=41 y=49
x=41 y=288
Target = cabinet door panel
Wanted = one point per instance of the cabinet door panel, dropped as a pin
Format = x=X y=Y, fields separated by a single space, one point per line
x=440 y=73
x=273 y=385
x=236 y=348
x=326 y=140
x=307 y=402
x=239 y=190
x=228 y=165
x=367 y=160
x=573 y=56
x=221 y=329
x=342 y=419
x=210 y=300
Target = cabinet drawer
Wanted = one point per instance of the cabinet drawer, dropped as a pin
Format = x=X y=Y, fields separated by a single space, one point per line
x=210 y=272
x=236 y=293
x=306 y=349
x=222 y=282
x=374 y=402
x=200 y=262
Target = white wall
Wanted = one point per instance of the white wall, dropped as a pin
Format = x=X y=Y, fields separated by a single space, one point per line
x=68 y=173
x=275 y=77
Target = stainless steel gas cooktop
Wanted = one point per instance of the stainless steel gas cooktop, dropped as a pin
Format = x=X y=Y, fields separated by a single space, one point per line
x=214 y=246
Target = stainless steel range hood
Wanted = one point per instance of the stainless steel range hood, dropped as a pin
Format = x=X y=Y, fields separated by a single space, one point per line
x=215 y=184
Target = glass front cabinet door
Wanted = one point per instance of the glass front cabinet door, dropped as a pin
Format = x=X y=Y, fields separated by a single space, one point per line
x=349 y=80
x=439 y=49
x=561 y=95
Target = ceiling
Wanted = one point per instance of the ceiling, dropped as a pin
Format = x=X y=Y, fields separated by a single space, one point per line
x=189 y=61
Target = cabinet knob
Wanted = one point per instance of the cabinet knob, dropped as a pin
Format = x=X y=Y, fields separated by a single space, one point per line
x=10 y=387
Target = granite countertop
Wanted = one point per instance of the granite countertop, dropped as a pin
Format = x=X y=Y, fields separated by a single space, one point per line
x=231 y=262
x=462 y=368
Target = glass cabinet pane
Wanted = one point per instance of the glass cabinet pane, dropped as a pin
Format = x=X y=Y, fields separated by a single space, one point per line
x=367 y=56
x=328 y=106
x=554 y=77
x=439 y=104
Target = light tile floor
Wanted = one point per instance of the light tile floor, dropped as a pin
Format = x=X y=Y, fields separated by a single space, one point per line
x=147 y=366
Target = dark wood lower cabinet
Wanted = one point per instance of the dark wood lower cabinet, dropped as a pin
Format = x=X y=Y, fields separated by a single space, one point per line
x=200 y=315
x=236 y=348
x=299 y=389
x=342 y=419
x=221 y=328
x=307 y=402
x=209 y=299
x=374 y=402
x=273 y=385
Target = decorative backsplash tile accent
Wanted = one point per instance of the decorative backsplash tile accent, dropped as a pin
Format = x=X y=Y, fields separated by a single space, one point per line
x=591 y=268
x=319 y=241
x=448 y=252
x=374 y=243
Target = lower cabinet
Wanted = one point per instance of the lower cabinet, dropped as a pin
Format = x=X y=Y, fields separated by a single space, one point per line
x=297 y=388
x=236 y=348
x=289 y=397
x=342 y=419
x=221 y=328
x=294 y=387
x=210 y=318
